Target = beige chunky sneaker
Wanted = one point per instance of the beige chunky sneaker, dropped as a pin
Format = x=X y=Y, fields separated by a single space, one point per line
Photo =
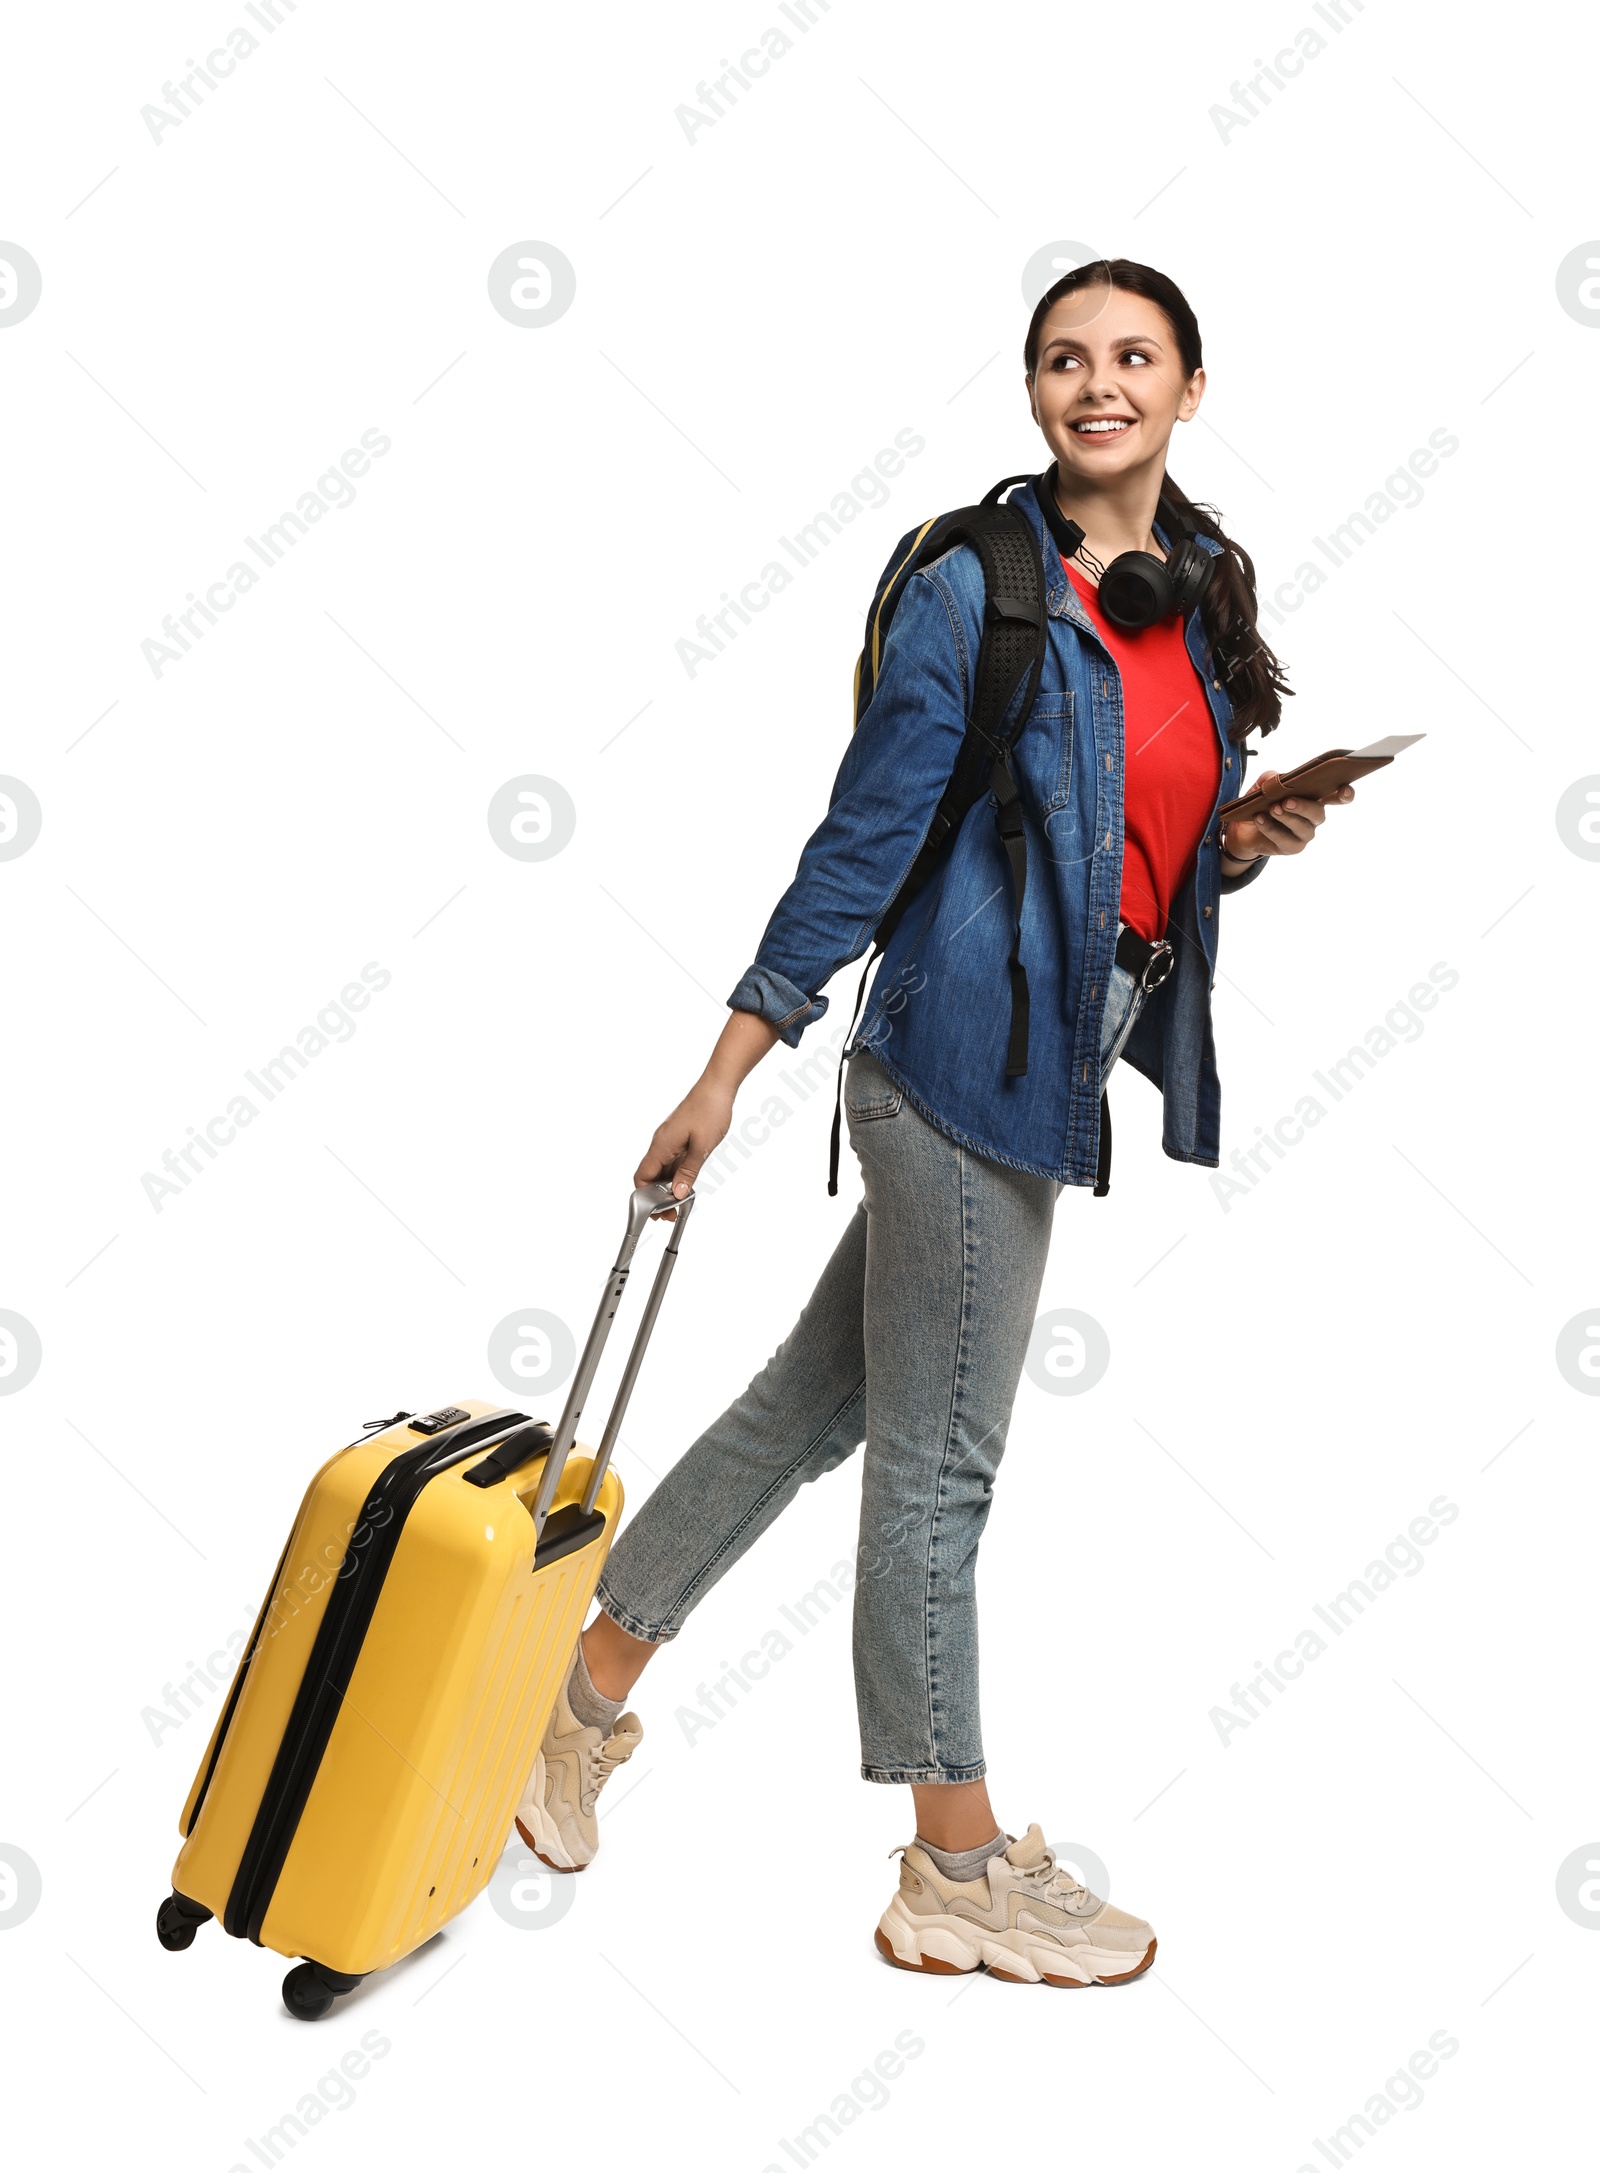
x=556 y=1816
x=1027 y=1920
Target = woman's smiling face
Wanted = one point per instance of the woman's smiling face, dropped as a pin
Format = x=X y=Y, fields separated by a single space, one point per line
x=1109 y=384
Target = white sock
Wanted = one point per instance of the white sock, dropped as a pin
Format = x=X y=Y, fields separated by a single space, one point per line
x=589 y=1708
x=960 y=1864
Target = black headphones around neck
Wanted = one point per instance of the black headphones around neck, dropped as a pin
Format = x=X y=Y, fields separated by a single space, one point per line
x=1137 y=588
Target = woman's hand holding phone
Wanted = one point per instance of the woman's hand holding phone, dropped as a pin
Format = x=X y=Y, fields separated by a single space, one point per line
x=1285 y=826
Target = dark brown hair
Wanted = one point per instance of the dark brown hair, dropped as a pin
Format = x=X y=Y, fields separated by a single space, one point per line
x=1253 y=675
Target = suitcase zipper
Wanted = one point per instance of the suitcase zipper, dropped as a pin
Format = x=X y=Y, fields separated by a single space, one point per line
x=231 y=1707
x=334 y=1652
x=236 y=1691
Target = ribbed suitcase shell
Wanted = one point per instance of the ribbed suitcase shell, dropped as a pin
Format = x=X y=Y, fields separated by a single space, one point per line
x=441 y=1720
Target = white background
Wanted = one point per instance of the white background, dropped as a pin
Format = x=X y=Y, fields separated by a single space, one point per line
x=1373 y=257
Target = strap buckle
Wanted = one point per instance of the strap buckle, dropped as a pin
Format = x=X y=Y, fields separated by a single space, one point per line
x=1163 y=956
x=1023 y=610
x=1149 y=964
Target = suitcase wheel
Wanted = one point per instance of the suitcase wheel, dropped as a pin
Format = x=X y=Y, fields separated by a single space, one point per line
x=177 y=1921
x=309 y=1990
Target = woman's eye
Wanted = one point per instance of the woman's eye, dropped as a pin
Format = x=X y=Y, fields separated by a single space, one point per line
x=1136 y=354
x=1062 y=362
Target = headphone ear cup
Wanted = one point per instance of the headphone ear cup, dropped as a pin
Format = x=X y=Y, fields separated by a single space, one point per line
x=1135 y=591
x=1189 y=572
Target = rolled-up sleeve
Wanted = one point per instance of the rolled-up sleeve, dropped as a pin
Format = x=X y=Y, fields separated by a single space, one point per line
x=778 y=1001
x=883 y=802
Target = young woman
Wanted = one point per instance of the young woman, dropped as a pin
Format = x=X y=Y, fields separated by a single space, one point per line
x=914 y=1339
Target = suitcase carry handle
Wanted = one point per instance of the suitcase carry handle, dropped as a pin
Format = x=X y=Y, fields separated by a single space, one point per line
x=517 y=1449
x=647 y=1201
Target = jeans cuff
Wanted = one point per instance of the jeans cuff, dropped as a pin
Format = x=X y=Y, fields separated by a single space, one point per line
x=925 y=1776
x=652 y=1633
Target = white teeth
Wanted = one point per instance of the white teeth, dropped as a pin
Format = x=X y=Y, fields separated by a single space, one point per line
x=1104 y=429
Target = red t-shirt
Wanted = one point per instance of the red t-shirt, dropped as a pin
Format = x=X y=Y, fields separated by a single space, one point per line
x=1172 y=762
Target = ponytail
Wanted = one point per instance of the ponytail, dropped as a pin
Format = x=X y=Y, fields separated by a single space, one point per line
x=1251 y=673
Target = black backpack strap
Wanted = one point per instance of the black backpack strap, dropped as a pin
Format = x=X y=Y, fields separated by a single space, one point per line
x=838 y=1085
x=992 y=497
x=1102 y=1175
x=1011 y=649
x=1010 y=652
x=1010 y=655
x=1008 y=821
x=1011 y=644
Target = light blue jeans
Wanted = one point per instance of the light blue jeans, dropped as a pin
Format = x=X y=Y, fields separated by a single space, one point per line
x=913 y=1341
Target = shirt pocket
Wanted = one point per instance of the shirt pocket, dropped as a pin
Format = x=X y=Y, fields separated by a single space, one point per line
x=1053 y=712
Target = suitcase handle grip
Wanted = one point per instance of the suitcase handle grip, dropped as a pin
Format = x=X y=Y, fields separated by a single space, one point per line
x=646 y=1202
x=517 y=1449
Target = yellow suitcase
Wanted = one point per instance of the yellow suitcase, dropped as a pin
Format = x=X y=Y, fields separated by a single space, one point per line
x=364 y=1772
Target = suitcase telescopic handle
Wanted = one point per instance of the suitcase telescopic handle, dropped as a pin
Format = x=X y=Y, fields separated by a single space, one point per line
x=647 y=1201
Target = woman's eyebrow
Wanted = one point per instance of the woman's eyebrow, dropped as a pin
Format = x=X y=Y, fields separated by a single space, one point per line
x=1128 y=339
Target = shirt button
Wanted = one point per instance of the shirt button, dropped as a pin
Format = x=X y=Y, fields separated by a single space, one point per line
x=1206 y=910
x=1227 y=762
x=1217 y=683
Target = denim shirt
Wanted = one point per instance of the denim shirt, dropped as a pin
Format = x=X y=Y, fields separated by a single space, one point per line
x=940 y=1008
